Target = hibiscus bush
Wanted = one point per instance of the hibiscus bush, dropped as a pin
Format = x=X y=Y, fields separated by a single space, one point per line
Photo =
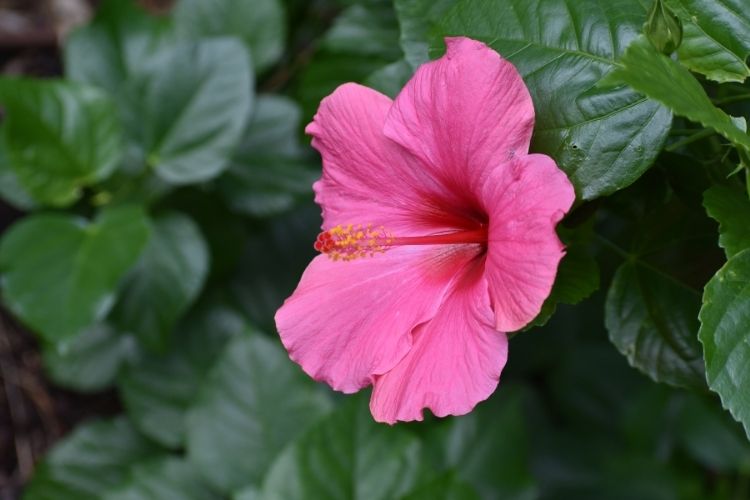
x=165 y=184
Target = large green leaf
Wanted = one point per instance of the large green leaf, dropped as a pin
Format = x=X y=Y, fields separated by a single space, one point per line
x=193 y=105
x=731 y=208
x=59 y=137
x=417 y=18
x=252 y=404
x=117 y=44
x=711 y=436
x=604 y=139
x=715 y=40
x=489 y=448
x=157 y=390
x=10 y=187
x=346 y=456
x=652 y=320
x=444 y=487
x=60 y=273
x=275 y=257
x=577 y=275
x=165 y=479
x=92 y=460
x=259 y=23
x=365 y=30
x=269 y=172
x=646 y=70
x=90 y=361
x=725 y=334
x=166 y=280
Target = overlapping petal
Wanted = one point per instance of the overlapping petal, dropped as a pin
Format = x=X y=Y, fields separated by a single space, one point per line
x=455 y=361
x=367 y=178
x=463 y=114
x=350 y=321
x=525 y=199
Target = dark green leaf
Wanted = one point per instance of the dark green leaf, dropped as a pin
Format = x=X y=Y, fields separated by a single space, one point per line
x=715 y=39
x=92 y=460
x=489 y=448
x=445 y=487
x=90 y=361
x=725 y=334
x=417 y=18
x=166 y=280
x=119 y=43
x=166 y=479
x=193 y=108
x=275 y=257
x=60 y=273
x=366 y=31
x=59 y=137
x=664 y=80
x=391 y=78
x=268 y=172
x=577 y=276
x=253 y=403
x=157 y=390
x=604 y=139
x=10 y=187
x=731 y=208
x=346 y=456
x=711 y=436
x=652 y=320
x=259 y=23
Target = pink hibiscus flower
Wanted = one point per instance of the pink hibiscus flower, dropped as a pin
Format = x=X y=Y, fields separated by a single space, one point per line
x=439 y=236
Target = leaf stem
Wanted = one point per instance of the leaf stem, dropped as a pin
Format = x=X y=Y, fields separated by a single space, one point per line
x=697 y=136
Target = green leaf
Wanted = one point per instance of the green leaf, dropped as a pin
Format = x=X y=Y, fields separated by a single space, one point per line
x=60 y=273
x=10 y=187
x=417 y=18
x=166 y=280
x=93 y=459
x=366 y=31
x=652 y=320
x=725 y=334
x=268 y=172
x=275 y=256
x=664 y=80
x=711 y=436
x=391 y=78
x=577 y=276
x=157 y=390
x=252 y=404
x=193 y=108
x=90 y=361
x=603 y=138
x=260 y=23
x=714 y=41
x=446 y=487
x=166 y=479
x=347 y=455
x=731 y=208
x=488 y=448
x=120 y=41
x=59 y=137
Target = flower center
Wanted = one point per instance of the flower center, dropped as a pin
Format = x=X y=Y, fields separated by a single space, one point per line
x=353 y=241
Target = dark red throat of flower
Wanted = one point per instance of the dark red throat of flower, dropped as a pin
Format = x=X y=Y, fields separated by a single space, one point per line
x=349 y=242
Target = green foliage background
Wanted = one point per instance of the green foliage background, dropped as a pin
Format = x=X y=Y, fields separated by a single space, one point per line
x=167 y=191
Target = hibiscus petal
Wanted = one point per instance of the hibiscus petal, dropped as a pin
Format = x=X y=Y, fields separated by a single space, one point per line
x=463 y=114
x=367 y=178
x=455 y=361
x=350 y=321
x=525 y=199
